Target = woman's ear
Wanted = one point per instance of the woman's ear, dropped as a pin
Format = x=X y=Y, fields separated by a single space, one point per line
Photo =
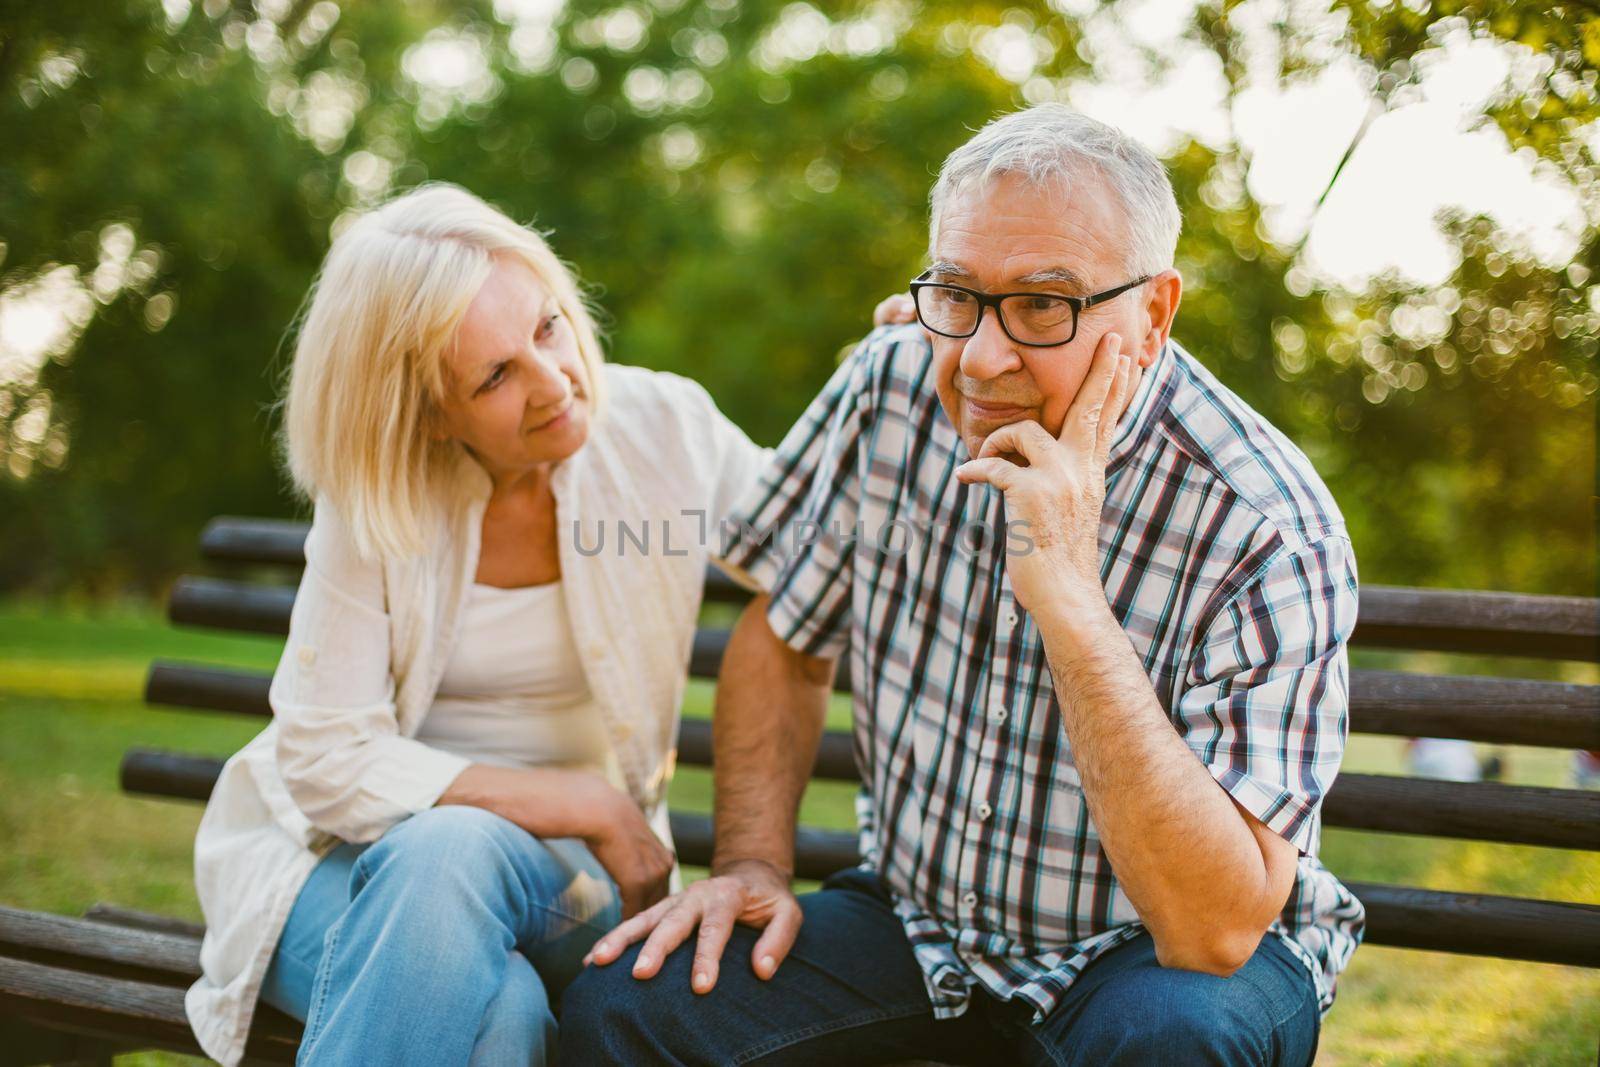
x=433 y=423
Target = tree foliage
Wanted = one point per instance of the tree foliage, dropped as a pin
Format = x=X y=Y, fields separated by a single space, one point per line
x=739 y=181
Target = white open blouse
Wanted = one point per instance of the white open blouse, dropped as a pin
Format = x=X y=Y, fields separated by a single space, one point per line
x=370 y=643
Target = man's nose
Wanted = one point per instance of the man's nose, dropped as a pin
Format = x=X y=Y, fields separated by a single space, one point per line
x=989 y=353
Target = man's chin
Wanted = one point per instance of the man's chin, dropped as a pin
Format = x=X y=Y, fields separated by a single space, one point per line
x=977 y=432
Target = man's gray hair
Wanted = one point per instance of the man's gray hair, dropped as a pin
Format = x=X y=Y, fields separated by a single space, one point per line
x=1051 y=143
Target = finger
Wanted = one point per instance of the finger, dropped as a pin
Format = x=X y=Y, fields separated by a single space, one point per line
x=716 y=926
x=1026 y=438
x=624 y=934
x=673 y=930
x=773 y=946
x=894 y=309
x=1107 y=425
x=1082 y=424
x=1128 y=378
x=991 y=471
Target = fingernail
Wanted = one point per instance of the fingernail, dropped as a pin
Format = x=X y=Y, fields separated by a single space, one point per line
x=702 y=981
x=768 y=965
x=641 y=964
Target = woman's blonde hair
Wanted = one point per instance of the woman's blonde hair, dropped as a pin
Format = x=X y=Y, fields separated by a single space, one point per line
x=369 y=370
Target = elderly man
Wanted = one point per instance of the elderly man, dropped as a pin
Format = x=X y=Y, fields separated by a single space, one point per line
x=1099 y=671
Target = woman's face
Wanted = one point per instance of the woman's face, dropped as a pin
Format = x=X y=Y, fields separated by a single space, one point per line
x=516 y=389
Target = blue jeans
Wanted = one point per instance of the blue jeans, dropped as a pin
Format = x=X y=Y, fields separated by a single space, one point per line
x=444 y=942
x=850 y=992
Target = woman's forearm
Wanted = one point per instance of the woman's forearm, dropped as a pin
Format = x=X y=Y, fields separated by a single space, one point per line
x=545 y=801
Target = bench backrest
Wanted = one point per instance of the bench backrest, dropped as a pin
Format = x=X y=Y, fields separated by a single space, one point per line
x=1476 y=708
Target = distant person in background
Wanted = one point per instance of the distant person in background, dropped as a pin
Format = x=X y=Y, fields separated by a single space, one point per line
x=1442 y=757
x=474 y=721
x=1453 y=760
x=1586 y=769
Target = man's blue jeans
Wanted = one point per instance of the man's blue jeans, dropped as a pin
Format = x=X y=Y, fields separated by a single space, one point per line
x=850 y=992
x=445 y=941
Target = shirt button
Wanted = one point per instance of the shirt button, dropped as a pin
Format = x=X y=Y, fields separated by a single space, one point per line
x=998 y=715
x=969 y=899
x=307 y=656
x=984 y=811
x=1011 y=618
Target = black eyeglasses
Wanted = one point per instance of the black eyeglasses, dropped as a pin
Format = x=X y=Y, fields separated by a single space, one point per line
x=1042 y=320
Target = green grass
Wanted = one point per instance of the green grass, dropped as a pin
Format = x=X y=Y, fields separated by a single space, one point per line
x=70 y=704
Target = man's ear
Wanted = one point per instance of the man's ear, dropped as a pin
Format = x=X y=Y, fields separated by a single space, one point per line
x=1163 y=292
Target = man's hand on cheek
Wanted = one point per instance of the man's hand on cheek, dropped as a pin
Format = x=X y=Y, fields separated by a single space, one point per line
x=1055 y=485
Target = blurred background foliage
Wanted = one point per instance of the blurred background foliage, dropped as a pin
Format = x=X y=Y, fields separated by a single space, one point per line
x=739 y=181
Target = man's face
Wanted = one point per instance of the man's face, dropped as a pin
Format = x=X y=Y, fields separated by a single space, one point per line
x=1013 y=236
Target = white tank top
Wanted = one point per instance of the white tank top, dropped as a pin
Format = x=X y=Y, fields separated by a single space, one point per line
x=513 y=692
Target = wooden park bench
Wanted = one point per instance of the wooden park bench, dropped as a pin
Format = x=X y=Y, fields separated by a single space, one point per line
x=81 y=989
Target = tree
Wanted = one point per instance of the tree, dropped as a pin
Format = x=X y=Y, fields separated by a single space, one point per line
x=739 y=180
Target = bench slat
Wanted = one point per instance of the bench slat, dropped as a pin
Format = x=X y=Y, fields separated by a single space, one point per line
x=1499 y=710
x=206 y=688
x=1451 y=620
x=1473 y=924
x=1480 y=924
x=111 y=915
x=234 y=539
x=123 y=1010
x=169 y=774
x=1511 y=711
x=1399 y=916
x=120 y=952
x=1479 y=811
x=1475 y=811
x=1470 y=923
x=222 y=604
x=1441 y=620
x=80 y=996
x=1555 y=714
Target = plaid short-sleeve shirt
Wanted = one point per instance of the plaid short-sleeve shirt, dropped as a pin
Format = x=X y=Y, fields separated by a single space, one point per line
x=1229 y=568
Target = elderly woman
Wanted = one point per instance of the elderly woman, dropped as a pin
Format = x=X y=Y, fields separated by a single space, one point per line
x=475 y=712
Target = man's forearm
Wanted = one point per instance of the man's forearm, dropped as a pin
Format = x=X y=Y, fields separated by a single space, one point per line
x=1184 y=853
x=770 y=706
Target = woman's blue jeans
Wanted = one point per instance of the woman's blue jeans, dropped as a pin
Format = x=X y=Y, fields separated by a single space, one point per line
x=445 y=941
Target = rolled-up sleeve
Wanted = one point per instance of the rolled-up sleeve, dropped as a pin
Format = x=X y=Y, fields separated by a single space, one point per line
x=339 y=748
x=792 y=535
x=1266 y=706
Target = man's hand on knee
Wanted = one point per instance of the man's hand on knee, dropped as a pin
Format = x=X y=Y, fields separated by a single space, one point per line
x=752 y=892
